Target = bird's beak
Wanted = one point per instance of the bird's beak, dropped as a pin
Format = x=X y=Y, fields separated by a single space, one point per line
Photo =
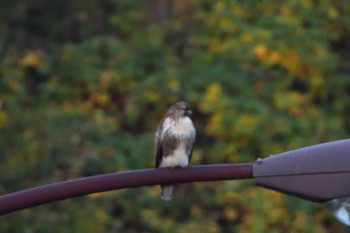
x=188 y=112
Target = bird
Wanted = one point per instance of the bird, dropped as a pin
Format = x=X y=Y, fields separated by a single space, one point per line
x=174 y=140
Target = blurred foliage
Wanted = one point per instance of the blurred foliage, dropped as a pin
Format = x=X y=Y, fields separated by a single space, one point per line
x=84 y=83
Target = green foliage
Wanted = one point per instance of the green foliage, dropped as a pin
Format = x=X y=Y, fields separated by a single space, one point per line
x=84 y=83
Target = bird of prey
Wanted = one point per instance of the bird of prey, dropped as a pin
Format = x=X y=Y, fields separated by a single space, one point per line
x=174 y=141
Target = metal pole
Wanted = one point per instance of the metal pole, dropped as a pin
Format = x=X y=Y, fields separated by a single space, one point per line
x=127 y=179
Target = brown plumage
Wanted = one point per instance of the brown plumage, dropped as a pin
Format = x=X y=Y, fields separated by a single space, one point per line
x=174 y=141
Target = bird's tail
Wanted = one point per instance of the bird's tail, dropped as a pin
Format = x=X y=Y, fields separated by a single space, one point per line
x=167 y=192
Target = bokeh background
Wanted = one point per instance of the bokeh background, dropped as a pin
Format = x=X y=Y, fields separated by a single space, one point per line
x=83 y=85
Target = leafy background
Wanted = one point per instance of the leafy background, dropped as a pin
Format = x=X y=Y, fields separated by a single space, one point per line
x=84 y=83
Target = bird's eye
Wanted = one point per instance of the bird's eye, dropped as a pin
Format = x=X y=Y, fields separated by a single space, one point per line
x=188 y=112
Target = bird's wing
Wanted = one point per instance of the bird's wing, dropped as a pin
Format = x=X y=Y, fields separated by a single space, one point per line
x=158 y=144
x=191 y=142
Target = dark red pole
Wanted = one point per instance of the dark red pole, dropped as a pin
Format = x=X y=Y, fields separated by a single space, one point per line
x=127 y=179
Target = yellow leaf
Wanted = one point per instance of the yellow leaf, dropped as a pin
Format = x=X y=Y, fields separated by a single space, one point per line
x=32 y=59
x=173 y=84
x=230 y=214
x=333 y=13
x=103 y=99
x=211 y=96
x=275 y=57
x=84 y=107
x=214 y=124
x=260 y=52
x=3 y=117
x=245 y=37
x=220 y=5
x=12 y=84
x=28 y=133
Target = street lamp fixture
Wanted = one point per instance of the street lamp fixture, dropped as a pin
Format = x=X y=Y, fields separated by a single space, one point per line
x=319 y=173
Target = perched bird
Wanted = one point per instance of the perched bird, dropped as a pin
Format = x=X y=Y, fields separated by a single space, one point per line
x=174 y=141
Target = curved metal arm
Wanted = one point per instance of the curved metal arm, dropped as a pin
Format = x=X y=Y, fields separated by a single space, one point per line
x=127 y=179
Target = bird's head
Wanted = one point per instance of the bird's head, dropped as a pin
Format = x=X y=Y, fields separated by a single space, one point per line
x=180 y=109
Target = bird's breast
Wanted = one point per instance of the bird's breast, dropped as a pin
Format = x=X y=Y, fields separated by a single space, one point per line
x=182 y=127
x=178 y=158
